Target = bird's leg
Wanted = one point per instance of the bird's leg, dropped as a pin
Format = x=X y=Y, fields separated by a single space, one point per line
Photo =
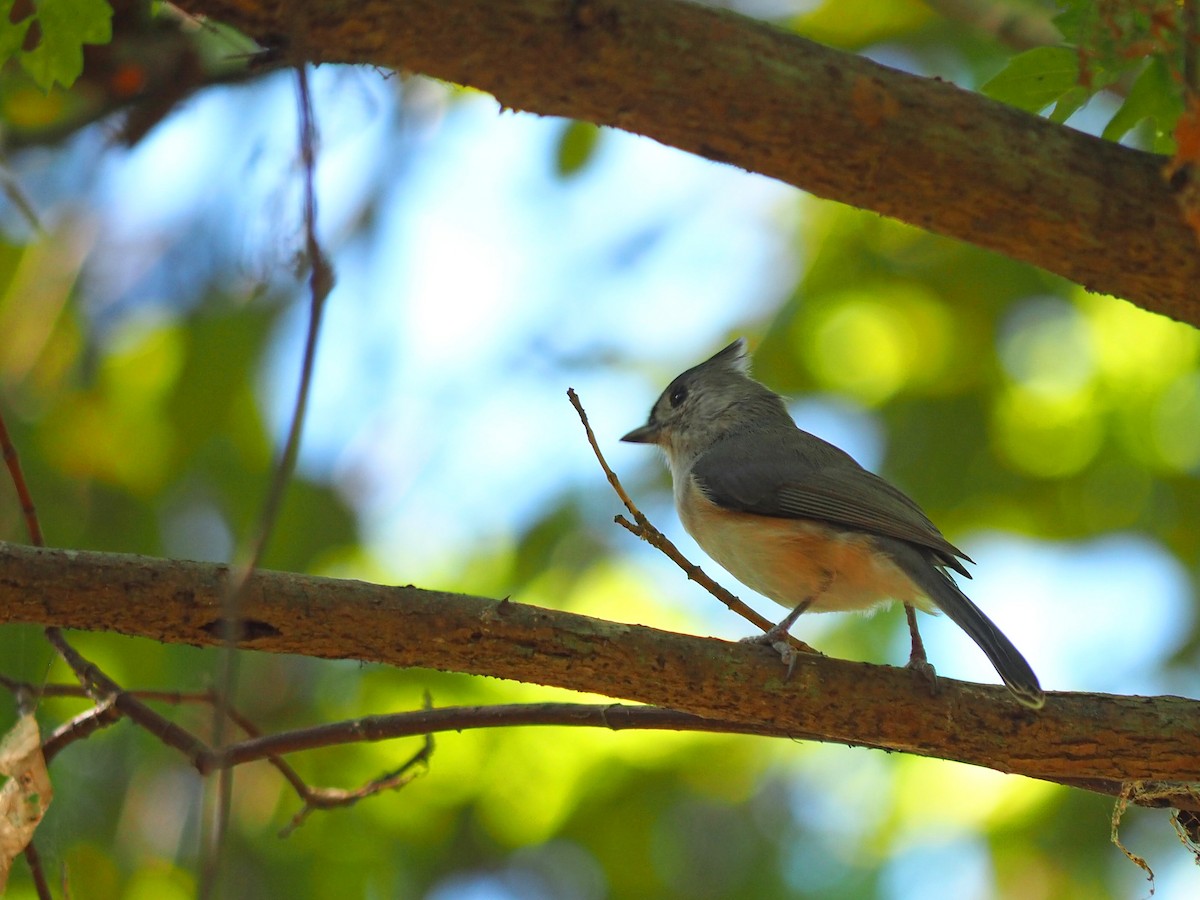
x=917 y=660
x=917 y=657
x=777 y=636
x=779 y=632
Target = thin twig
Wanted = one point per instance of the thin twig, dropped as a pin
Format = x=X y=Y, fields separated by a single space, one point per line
x=614 y=716
x=79 y=728
x=320 y=284
x=103 y=689
x=34 y=527
x=34 y=861
x=327 y=798
x=106 y=713
x=206 y=759
x=655 y=538
x=13 y=462
x=17 y=196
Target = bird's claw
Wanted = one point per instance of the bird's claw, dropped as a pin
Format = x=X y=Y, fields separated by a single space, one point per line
x=777 y=640
x=924 y=670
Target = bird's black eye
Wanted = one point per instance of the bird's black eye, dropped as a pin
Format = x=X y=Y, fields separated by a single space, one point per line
x=678 y=396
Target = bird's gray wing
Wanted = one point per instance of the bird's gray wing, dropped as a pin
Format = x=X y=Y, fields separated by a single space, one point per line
x=807 y=478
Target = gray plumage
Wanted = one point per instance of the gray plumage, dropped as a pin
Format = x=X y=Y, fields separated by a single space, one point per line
x=734 y=451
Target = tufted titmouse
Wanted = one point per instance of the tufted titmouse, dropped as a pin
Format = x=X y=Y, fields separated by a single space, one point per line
x=798 y=520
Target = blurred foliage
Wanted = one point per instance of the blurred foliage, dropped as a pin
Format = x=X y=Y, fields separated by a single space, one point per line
x=65 y=63
x=576 y=147
x=1039 y=382
x=1145 y=43
x=863 y=24
x=1008 y=400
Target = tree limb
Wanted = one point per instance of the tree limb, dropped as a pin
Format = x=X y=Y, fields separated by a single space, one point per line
x=613 y=716
x=1075 y=738
x=737 y=90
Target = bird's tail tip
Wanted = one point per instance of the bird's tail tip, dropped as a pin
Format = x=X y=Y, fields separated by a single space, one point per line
x=1027 y=693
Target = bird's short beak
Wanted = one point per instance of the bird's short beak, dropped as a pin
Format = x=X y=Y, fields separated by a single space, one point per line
x=647 y=434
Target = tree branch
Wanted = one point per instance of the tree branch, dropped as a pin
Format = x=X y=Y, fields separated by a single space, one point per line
x=736 y=90
x=613 y=716
x=1075 y=738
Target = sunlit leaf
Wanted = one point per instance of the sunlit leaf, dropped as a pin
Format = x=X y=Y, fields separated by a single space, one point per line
x=1069 y=103
x=1152 y=96
x=1036 y=78
x=66 y=26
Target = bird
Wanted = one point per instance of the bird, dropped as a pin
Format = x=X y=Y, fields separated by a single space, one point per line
x=800 y=521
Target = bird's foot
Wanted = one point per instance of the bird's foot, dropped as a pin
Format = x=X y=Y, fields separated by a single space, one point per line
x=924 y=670
x=777 y=639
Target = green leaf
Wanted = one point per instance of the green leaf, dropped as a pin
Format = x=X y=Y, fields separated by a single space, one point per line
x=1036 y=78
x=1069 y=103
x=11 y=35
x=66 y=25
x=1153 y=95
x=576 y=146
x=1074 y=19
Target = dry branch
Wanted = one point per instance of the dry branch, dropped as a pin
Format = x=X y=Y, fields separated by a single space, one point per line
x=641 y=527
x=736 y=90
x=1076 y=737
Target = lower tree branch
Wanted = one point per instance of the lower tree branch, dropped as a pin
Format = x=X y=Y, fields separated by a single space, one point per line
x=1075 y=737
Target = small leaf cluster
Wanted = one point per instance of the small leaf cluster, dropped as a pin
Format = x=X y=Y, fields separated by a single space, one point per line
x=1143 y=48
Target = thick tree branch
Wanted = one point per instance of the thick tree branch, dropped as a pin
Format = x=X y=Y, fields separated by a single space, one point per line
x=736 y=90
x=1076 y=737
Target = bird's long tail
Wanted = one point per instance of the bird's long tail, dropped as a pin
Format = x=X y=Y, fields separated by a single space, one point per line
x=1009 y=663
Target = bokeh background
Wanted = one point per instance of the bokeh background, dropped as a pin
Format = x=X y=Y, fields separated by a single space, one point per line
x=150 y=340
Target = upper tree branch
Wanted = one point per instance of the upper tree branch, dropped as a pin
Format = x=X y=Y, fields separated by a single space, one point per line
x=1076 y=737
x=736 y=90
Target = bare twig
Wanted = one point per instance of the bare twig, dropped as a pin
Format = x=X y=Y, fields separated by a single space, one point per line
x=34 y=861
x=80 y=727
x=614 y=716
x=16 y=195
x=206 y=760
x=328 y=798
x=320 y=284
x=13 y=462
x=106 y=713
x=641 y=527
x=102 y=689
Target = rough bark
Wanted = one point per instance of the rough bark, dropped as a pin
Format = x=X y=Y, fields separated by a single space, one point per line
x=1078 y=738
x=736 y=90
